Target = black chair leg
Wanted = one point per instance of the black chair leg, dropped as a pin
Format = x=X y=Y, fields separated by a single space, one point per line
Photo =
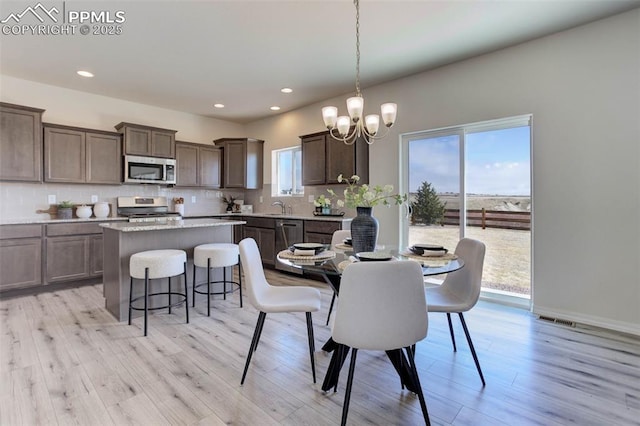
x=169 y=294
x=473 y=351
x=259 y=335
x=453 y=338
x=333 y=299
x=193 y=289
x=414 y=372
x=254 y=343
x=186 y=292
x=130 y=297
x=240 y=279
x=312 y=346
x=224 y=283
x=146 y=298
x=209 y=287
x=347 y=395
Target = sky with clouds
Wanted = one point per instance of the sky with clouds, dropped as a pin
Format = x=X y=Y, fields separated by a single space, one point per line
x=497 y=162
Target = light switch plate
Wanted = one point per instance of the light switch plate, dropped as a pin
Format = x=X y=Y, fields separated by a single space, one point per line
x=51 y=199
x=193 y=198
x=311 y=198
x=94 y=198
x=261 y=198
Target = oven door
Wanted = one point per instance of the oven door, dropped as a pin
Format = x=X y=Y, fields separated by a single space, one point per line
x=144 y=170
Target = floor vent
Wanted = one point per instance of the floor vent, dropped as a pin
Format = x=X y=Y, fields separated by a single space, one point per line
x=557 y=321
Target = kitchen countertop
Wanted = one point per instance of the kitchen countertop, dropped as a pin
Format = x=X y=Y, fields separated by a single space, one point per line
x=35 y=221
x=172 y=224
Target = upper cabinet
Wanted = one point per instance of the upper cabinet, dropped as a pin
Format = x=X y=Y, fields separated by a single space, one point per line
x=324 y=158
x=148 y=141
x=198 y=165
x=242 y=162
x=20 y=143
x=77 y=155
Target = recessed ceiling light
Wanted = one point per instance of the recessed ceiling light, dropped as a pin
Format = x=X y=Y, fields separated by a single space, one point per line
x=85 y=73
x=286 y=90
x=218 y=105
x=275 y=108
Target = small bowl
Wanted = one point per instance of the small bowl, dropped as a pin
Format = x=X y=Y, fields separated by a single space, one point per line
x=348 y=241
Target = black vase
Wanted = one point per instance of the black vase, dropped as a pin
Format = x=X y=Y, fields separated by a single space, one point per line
x=364 y=230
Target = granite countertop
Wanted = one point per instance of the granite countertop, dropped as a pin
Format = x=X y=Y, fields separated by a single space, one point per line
x=280 y=216
x=173 y=224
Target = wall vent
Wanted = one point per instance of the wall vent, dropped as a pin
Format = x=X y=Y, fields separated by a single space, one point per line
x=557 y=321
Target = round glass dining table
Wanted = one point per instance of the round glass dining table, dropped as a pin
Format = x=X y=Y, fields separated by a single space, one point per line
x=331 y=270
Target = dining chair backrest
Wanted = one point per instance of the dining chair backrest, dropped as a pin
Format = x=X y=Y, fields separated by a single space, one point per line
x=382 y=306
x=256 y=283
x=466 y=283
x=339 y=236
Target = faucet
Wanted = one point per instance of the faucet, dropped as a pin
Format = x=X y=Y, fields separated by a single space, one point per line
x=281 y=204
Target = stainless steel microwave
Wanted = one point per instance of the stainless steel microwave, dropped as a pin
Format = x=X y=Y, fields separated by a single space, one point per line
x=149 y=170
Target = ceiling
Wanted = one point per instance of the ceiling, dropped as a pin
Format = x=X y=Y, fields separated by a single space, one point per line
x=188 y=55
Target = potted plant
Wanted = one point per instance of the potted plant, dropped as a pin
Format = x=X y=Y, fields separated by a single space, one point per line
x=229 y=201
x=323 y=205
x=65 y=210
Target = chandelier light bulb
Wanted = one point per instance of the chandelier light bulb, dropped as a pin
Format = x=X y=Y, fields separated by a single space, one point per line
x=372 y=122
x=330 y=115
x=344 y=123
x=355 y=106
x=389 y=112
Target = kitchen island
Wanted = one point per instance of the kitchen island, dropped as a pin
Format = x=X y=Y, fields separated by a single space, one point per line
x=121 y=240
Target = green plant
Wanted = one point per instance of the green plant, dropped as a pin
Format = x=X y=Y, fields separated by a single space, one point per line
x=65 y=204
x=366 y=196
x=322 y=201
x=228 y=201
x=427 y=207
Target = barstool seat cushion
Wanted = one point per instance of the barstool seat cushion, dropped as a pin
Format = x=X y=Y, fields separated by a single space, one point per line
x=161 y=263
x=221 y=255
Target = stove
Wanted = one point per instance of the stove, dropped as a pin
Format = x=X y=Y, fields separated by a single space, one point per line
x=146 y=209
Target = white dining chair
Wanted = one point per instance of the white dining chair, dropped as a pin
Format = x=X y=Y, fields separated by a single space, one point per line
x=460 y=290
x=271 y=299
x=337 y=238
x=381 y=307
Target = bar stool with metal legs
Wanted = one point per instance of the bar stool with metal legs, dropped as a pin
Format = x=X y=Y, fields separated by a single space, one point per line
x=155 y=264
x=216 y=255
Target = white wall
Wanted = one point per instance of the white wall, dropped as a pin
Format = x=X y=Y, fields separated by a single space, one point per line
x=583 y=88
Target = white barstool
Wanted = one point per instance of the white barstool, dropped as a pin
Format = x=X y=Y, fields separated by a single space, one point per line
x=154 y=264
x=216 y=255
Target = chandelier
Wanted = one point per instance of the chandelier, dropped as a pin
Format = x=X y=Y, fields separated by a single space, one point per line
x=340 y=127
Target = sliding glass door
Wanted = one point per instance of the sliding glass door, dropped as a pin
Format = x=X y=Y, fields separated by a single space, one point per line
x=474 y=181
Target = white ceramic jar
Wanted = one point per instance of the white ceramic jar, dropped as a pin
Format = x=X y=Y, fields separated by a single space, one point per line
x=101 y=209
x=83 y=211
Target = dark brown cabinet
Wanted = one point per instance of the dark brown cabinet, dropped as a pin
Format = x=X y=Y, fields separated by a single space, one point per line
x=20 y=143
x=198 y=165
x=263 y=230
x=148 y=141
x=20 y=256
x=77 y=155
x=242 y=162
x=74 y=251
x=324 y=158
x=318 y=231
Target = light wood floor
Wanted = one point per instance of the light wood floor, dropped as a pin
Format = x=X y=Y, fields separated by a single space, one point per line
x=65 y=360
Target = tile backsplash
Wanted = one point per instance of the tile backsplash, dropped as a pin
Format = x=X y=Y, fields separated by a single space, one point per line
x=21 y=200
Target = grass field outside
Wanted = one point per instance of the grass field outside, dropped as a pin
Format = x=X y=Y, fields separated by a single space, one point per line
x=507 y=262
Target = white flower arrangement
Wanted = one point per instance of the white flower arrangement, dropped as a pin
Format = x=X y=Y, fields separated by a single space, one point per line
x=366 y=196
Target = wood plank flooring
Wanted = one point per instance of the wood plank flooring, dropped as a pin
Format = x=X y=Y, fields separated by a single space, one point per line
x=64 y=360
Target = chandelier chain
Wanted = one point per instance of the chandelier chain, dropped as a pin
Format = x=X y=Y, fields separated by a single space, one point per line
x=357 y=3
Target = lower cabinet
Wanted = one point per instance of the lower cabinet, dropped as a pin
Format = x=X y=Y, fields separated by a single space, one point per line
x=318 y=231
x=20 y=256
x=74 y=251
x=263 y=231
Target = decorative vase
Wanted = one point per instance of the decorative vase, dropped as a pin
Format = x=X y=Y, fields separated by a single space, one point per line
x=364 y=230
x=101 y=209
x=83 y=211
x=179 y=208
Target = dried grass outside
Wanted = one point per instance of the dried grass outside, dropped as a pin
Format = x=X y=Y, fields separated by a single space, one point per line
x=507 y=263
